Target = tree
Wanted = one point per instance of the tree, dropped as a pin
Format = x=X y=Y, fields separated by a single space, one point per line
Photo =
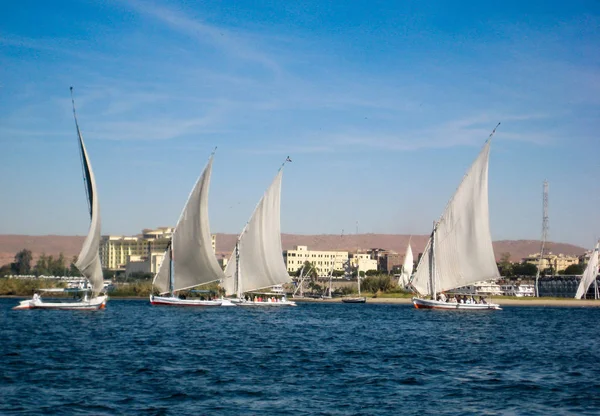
x=372 y=272
x=574 y=269
x=524 y=269
x=6 y=270
x=73 y=270
x=309 y=270
x=22 y=264
x=57 y=266
x=41 y=267
x=505 y=266
x=337 y=273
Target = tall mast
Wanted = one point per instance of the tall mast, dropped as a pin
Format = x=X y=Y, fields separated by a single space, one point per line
x=544 y=236
x=171 y=274
x=357 y=261
x=237 y=280
x=432 y=262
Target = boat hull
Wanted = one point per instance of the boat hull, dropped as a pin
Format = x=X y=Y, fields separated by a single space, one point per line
x=249 y=303
x=355 y=300
x=171 y=301
x=93 y=304
x=436 y=304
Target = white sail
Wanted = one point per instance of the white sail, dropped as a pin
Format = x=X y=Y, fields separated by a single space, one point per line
x=260 y=253
x=461 y=244
x=407 y=267
x=88 y=261
x=194 y=262
x=589 y=275
x=161 y=279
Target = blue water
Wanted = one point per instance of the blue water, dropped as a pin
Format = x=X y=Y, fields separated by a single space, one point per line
x=325 y=359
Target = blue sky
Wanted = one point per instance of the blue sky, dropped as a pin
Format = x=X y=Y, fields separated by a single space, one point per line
x=381 y=105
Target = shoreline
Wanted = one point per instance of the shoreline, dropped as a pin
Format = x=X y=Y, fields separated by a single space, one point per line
x=566 y=302
x=539 y=302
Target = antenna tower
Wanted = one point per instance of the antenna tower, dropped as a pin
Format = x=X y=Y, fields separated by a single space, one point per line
x=544 y=237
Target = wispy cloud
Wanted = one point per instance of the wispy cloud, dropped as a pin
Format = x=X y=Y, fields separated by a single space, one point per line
x=221 y=38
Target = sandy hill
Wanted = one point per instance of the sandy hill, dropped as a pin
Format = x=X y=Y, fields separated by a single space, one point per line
x=70 y=245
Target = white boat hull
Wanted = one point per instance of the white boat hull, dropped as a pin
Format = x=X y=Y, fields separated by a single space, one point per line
x=250 y=303
x=436 y=304
x=92 y=304
x=172 y=301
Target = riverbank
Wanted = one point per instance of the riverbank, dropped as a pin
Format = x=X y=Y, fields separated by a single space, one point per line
x=564 y=302
x=505 y=301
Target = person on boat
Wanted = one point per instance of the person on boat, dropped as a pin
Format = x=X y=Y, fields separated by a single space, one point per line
x=482 y=300
x=442 y=297
x=36 y=297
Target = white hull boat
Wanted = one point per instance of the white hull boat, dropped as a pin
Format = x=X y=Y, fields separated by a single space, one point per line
x=250 y=303
x=438 y=304
x=88 y=260
x=459 y=251
x=98 y=302
x=256 y=263
x=189 y=261
x=175 y=301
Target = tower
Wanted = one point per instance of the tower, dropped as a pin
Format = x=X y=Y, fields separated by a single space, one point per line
x=544 y=236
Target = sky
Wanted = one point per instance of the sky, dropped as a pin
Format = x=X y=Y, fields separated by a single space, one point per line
x=381 y=105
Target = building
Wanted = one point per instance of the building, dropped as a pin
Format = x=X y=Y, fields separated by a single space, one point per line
x=323 y=260
x=387 y=261
x=363 y=261
x=117 y=251
x=555 y=262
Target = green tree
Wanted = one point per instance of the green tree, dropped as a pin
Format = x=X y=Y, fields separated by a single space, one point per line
x=505 y=267
x=73 y=270
x=6 y=270
x=57 y=266
x=574 y=269
x=337 y=273
x=309 y=270
x=372 y=272
x=22 y=264
x=41 y=267
x=524 y=269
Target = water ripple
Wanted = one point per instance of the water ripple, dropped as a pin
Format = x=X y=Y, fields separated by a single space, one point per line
x=316 y=359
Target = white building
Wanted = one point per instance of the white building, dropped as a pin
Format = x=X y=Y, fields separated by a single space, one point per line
x=322 y=260
x=148 y=248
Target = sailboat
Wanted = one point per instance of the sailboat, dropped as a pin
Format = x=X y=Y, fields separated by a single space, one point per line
x=257 y=261
x=359 y=298
x=589 y=276
x=189 y=260
x=88 y=261
x=459 y=250
x=407 y=267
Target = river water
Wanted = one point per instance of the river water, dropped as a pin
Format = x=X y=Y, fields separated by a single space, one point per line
x=323 y=359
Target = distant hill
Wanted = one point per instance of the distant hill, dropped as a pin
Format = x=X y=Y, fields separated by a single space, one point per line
x=70 y=245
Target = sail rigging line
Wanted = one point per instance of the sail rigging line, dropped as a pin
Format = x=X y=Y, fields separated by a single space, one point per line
x=465 y=176
x=86 y=183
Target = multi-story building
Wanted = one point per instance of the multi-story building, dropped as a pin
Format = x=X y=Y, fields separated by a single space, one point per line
x=323 y=260
x=363 y=261
x=117 y=251
x=555 y=262
x=387 y=261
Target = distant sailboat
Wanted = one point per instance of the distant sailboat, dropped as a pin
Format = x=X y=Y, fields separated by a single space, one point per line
x=407 y=267
x=189 y=260
x=257 y=261
x=589 y=275
x=459 y=251
x=88 y=261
